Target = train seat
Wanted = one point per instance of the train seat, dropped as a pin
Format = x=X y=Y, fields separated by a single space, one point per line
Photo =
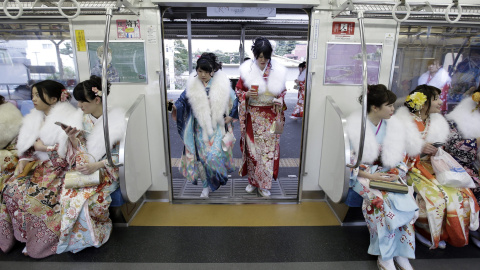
x=117 y=199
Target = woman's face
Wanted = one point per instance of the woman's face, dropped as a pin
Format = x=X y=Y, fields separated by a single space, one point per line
x=436 y=106
x=261 y=61
x=385 y=111
x=90 y=106
x=38 y=102
x=203 y=75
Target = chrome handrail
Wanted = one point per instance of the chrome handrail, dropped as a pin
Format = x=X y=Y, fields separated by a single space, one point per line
x=364 y=91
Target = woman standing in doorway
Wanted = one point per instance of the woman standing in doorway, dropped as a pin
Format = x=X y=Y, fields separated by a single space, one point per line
x=300 y=85
x=260 y=90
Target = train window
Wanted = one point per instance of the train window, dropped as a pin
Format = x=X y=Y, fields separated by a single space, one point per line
x=443 y=56
x=34 y=51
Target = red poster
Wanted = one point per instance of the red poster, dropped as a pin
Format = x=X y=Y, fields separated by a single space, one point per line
x=343 y=28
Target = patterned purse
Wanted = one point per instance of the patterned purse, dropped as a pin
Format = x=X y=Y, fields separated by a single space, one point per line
x=76 y=179
x=277 y=125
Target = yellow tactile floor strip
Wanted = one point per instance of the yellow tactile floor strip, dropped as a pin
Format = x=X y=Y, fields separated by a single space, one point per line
x=284 y=162
x=249 y=215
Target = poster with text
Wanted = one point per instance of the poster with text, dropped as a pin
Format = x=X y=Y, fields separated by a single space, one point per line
x=344 y=62
x=128 y=28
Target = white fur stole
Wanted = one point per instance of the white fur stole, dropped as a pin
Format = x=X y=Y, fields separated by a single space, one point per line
x=468 y=122
x=252 y=75
x=10 y=122
x=36 y=125
x=393 y=147
x=207 y=112
x=96 y=139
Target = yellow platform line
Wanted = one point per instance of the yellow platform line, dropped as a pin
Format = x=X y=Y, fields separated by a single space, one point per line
x=284 y=162
x=245 y=215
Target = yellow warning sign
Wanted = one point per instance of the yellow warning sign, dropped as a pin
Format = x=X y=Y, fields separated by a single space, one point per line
x=80 y=38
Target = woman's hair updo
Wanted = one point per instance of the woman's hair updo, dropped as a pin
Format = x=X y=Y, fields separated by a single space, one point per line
x=208 y=62
x=262 y=45
x=83 y=91
x=377 y=95
x=2 y=100
x=429 y=91
x=50 y=88
x=302 y=65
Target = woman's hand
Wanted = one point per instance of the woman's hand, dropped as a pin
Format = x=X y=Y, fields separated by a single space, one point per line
x=21 y=165
x=388 y=177
x=228 y=119
x=429 y=149
x=278 y=102
x=40 y=146
x=90 y=167
x=72 y=134
x=251 y=93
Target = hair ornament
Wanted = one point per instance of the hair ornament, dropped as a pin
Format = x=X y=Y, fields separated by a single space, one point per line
x=64 y=96
x=97 y=92
x=416 y=101
x=476 y=98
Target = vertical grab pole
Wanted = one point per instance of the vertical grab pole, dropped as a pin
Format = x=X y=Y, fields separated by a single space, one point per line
x=364 y=91
x=104 y=90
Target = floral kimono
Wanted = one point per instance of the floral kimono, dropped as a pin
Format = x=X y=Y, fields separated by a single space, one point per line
x=10 y=122
x=446 y=213
x=30 y=208
x=298 y=111
x=389 y=215
x=85 y=214
x=260 y=148
x=200 y=122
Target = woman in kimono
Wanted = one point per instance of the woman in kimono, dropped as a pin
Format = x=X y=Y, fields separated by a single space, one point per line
x=300 y=81
x=260 y=91
x=463 y=142
x=202 y=112
x=390 y=216
x=85 y=215
x=30 y=211
x=445 y=212
x=10 y=122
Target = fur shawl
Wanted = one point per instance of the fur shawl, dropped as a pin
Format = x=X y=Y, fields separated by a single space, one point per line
x=252 y=75
x=10 y=122
x=36 y=125
x=209 y=110
x=468 y=122
x=437 y=132
x=96 y=140
x=393 y=148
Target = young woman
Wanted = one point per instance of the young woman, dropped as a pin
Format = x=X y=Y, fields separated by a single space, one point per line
x=85 y=220
x=260 y=91
x=10 y=122
x=30 y=211
x=202 y=112
x=444 y=211
x=389 y=216
x=464 y=140
x=300 y=81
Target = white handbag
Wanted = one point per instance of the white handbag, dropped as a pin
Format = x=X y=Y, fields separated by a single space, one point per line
x=228 y=140
x=76 y=179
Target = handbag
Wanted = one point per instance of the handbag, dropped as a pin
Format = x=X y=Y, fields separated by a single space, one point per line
x=449 y=172
x=76 y=179
x=228 y=140
x=389 y=186
x=277 y=125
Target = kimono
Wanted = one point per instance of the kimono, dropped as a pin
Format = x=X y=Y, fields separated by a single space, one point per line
x=446 y=213
x=260 y=148
x=200 y=122
x=298 y=111
x=462 y=143
x=390 y=216
x=30 y=207
x=440 y=80
x=10 y=122
x=85 y=216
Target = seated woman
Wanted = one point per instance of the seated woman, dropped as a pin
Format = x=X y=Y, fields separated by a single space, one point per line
x=202 y=112
x=444 y=211
x=389 y=215
x=30 y=208
x=464 y=139
x=85 y=220
x=10 y=122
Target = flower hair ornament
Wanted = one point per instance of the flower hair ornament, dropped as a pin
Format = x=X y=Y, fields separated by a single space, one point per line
x=97 y=92
x=476 y=98
x=416 y=101
x=64 y=96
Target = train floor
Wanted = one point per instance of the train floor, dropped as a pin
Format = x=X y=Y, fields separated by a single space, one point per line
x=237 y=236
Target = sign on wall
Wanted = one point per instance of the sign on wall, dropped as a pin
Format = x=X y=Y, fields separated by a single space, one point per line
x=128 y=28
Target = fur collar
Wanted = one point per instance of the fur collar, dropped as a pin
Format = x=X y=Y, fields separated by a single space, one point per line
x=10 y=122
x=36 y=125
x=468 y=122
x=437 y=132
x=252 y=75
x=209 y=111
x=96 y=140
x=393 y=147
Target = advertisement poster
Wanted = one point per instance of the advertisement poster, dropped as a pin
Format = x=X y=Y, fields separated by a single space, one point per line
x=125 y=61
x=128 y=28
x=343 y=63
